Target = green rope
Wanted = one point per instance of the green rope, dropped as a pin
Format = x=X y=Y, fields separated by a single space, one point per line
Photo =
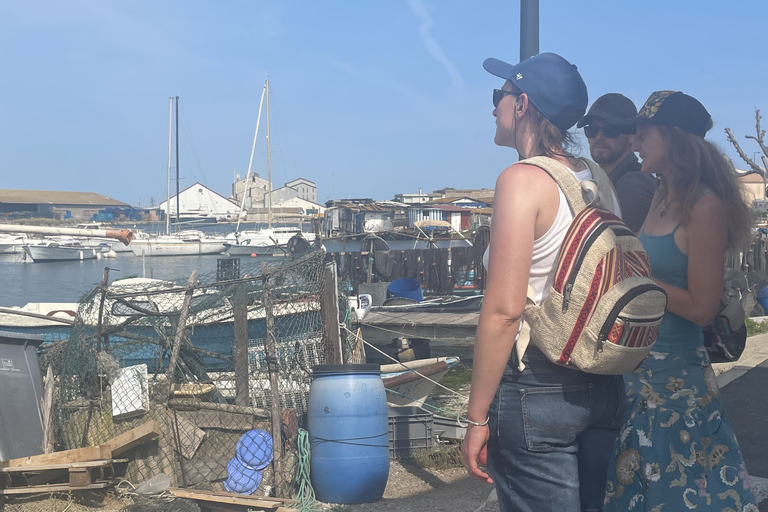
x=305 y=494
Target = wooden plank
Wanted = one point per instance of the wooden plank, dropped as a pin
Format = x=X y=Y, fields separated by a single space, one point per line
x=89 y=453
x=49 y=467
x=220 y=419
x=329 y=312
x=193 y=405
x=227 y=498
x=54 y=488
x=79 y=477
x=132 y=438
x=47 y=407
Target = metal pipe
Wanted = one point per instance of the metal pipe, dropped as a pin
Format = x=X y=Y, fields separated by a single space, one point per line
x=529 y=28
x=177 y=163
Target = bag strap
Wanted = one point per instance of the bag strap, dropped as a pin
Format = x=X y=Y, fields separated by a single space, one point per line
x=579 y=195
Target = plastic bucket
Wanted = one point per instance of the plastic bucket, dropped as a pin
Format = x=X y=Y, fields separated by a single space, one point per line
x=762 y=298
x=348 y=433
x=405 y=287
x=241 y=479
x=254 y=449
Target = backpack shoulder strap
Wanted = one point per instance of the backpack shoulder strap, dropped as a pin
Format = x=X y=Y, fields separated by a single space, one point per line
x=579 y=195
x=604 y=188
x=564 y=178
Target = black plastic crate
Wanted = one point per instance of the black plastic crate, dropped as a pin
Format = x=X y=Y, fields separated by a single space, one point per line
x=410 y=428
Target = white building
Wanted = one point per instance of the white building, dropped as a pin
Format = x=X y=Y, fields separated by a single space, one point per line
x=200 y=201
x=419 y=198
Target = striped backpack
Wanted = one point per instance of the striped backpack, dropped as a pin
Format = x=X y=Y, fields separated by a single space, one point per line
x=603 y=311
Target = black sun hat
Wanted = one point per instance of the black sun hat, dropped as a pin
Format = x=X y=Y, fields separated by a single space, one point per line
x=674 y=108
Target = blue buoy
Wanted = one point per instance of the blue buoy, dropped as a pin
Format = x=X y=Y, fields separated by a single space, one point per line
x=254 y=449
x=241 y=478
x=406 y=287
x=348 y=433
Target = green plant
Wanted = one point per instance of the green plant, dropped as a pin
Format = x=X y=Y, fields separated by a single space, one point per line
x=755 y=328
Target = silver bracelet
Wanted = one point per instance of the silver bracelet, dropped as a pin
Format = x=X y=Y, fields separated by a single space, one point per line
x=475 y=423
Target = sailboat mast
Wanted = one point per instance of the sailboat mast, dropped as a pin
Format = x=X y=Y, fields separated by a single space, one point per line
x=177 y=163
x=269 y=165
x=168 y=189
x=250 y=162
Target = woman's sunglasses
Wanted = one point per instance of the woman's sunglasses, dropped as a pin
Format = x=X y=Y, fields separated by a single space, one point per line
x=610 y=132
x=498 y=94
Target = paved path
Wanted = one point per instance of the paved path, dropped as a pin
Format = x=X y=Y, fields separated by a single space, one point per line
x=743 y=389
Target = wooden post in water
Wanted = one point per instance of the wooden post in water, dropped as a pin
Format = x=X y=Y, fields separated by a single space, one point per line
x=240 y=314
x=270 y=352
x=329 y=311
x=183 y=314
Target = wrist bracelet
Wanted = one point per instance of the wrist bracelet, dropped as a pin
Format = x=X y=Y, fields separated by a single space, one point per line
x=475 y=423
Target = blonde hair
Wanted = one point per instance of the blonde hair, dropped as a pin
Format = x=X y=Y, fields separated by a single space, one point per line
x=549 y=140
x=693 y=161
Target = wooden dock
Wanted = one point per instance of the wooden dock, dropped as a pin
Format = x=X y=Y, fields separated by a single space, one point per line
x=383 y=326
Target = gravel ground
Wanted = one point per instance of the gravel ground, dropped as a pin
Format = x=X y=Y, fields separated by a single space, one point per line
x=414 y=489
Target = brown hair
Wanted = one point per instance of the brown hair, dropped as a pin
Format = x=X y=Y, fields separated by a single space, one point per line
x=695 y=161
x=549 y=140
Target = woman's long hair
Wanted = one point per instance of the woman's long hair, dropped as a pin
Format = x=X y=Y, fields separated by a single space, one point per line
x=695 y=161
x=549 y=140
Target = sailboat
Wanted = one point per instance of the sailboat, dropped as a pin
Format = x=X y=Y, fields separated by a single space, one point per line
x=181 y=243
x=271 y=240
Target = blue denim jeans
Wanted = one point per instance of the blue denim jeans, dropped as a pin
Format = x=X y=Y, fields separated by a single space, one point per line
x=552 y=432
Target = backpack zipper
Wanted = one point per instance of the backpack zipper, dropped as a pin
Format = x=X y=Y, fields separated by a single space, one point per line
x=568 y=288
x=623 y=301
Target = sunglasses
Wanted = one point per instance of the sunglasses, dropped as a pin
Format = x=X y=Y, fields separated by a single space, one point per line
x=498 y=94
x=610 y=132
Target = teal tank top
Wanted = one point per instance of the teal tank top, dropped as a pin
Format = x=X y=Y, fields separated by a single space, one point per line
x=670 y=265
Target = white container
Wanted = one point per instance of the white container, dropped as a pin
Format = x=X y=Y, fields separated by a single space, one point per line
x=130 y=391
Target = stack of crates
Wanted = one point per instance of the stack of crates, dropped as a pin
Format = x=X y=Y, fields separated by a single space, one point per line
x=410 y=428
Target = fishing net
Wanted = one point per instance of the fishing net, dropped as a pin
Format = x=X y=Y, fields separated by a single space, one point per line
x=217 y=364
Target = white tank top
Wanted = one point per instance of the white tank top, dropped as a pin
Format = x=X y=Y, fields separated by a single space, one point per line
x=547 y=247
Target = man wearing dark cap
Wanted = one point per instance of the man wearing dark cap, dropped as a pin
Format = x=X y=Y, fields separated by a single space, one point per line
x=610 y=147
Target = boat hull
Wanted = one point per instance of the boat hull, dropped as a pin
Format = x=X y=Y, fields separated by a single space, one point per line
x=42 y=253
x=179 y=248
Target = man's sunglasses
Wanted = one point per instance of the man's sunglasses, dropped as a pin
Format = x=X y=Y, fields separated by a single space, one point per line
x=498 y=94
x=610 y=131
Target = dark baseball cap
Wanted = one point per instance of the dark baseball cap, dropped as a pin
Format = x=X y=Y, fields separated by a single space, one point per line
x=552 y=84
x=674 y=108
x=612 y=107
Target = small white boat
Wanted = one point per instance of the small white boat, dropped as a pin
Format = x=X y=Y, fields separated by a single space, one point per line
x=405 y=382
x=183 y=243
x=12 y=243
x=61 y=250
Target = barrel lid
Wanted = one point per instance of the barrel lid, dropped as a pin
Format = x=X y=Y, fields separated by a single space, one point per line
x=345 y=368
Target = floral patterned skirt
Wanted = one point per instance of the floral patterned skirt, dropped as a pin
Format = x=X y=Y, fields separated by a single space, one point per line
x=677 y=450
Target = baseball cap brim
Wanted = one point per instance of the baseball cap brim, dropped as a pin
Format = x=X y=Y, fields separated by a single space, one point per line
x=499 y=68
x=608 y=118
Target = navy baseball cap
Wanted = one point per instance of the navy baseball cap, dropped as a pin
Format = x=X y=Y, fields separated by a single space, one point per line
x=552 y=84
x=674 y=108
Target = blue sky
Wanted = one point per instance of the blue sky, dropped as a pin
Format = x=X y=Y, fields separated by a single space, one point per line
x=369 y=98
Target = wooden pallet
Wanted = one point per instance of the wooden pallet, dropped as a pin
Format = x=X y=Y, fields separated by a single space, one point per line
x=227 y=501
x=67 y=476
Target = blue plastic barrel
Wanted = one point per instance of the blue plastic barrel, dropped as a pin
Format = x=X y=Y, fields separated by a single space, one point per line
x=348 y=433
x=762 y=298
x=405 y=287
x=241 y=479
x=254 y=449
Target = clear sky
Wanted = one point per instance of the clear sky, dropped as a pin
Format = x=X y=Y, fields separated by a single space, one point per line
x=369 y=97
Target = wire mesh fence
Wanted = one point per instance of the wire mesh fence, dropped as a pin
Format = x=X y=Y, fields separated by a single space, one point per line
x=221 y=362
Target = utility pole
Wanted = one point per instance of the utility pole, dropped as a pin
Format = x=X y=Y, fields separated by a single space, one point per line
x=529 y=28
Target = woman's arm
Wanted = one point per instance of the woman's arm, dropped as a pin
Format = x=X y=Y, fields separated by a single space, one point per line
x=522 y=192
x=707 y=235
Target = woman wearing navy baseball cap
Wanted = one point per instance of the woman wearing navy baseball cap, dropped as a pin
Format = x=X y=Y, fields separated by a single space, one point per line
x=545 y=431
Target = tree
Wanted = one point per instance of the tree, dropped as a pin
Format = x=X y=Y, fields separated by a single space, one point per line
x=760 y=139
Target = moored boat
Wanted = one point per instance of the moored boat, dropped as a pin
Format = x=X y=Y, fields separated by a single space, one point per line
x=183 y=243
x=60 y=250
